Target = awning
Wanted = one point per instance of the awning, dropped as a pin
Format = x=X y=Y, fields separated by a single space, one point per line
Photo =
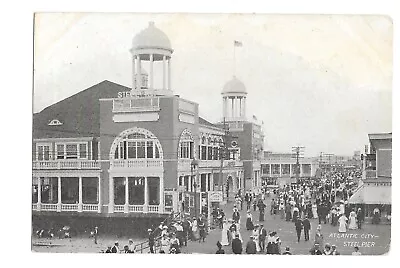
x=370 y=194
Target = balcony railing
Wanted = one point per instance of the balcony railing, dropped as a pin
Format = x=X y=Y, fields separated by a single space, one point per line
x=87 y=207
x=137 y=163
x=136 y=208
x=66 y=164
x=138 y=104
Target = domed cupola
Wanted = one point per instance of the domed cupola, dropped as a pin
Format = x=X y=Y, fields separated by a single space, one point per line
x=151 y=48
x=234 y=100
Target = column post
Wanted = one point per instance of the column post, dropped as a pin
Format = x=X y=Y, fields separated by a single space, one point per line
x=99 y=195
x=151 y=72
x=161 y=206
x=59 y=195
x=270 y=171
x=146 y=195
x=126 y=206
x=280 y=170
x=111 y=194
x=233 y=110
x=164 y=73
x=139 y=73
x=169 y=73
x=80 y=195
x=39 y=202
x=134 y=72
x=244 y=107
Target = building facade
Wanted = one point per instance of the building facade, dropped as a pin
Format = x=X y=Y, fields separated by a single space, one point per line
x=111 y=150
x=281 y=168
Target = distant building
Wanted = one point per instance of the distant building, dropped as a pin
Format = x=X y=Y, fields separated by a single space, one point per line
x=281 y=168
x=375 y=189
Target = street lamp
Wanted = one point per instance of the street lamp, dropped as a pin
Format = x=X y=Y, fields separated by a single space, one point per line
x=193 y=166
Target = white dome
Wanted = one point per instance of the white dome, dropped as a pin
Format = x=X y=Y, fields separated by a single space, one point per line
x=234 y=86
x=151 y=37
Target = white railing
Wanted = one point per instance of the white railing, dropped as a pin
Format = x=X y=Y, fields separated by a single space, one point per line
x=48 y=207
x=235 y=126
x=90 y=207
x=34 y=206
x=137 y=163
x=136 y=104
x=153 y=208
x=66 y=164
x=119 y=208
x=69 y=207
x=136 y=208
x=209 y=163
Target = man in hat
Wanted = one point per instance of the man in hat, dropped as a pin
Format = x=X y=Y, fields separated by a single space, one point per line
x=236 y=215
x=307 y=227
x=262 y=237
x=299 y=226
x=359 y=218
x=202 y=230
x=334 y=251
x=186 y=225
x=237 y=245
x=151 y=238
x=251 y=247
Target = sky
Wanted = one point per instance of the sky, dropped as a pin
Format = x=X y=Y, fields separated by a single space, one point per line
x=320 y=81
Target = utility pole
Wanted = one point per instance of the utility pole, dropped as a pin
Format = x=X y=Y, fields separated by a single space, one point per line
x=298 y=152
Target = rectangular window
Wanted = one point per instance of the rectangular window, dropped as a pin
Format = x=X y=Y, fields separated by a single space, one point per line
x=210 y=153
x=141 y=149
x=40 y=153
x=131 y=149
x=168 y=200
x=191 y=150
x=72 y=151
x=149 y=149
x=60 y=151
x=157 y=152
x=275 y=169
x=46 y=153
x=203 y=152
x=83 y=151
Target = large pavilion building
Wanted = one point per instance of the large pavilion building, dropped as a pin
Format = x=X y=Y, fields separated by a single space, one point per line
x=112 y=151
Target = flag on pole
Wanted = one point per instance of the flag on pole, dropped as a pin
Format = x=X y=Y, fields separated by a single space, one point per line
x=237 y=43
x=254 y=117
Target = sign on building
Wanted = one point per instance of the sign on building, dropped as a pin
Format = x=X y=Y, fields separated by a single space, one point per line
x=215 y=196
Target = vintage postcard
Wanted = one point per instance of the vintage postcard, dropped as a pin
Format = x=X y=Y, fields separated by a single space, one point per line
x=212 y=134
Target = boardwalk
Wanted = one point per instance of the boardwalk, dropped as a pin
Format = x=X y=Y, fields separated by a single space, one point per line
x=372 y=239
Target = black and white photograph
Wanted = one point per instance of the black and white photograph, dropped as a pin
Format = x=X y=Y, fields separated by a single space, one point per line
x=200 y=133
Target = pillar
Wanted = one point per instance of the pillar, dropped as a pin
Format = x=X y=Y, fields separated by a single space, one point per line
x=164 y=73
x=139 y=73
x=146 y=195
x=244 y=107
x=223 y=107
x=233 y=110
x=240 y=107
x=161 y=206
x=80 y=195
x=99 y=195
x=126 y=206
x=270 y=171
x=59 y=195
x=39 y=202
x=151 y=72
x=280 y=170
x=169 y=73
x=110 y=195
x=134 y=72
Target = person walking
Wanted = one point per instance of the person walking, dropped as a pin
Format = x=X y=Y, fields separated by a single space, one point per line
x=359 y=218
x=299 y=226
x=353 y=220
x=262 y=237
x=342 y=224
x=151 y=240
x=307 y=227
x=251 y=247
x=249 y=221
x=236 y=215
x=202 y=230
x=95 y=234
x=261 y=208
x=237 y=247
x=319 y=238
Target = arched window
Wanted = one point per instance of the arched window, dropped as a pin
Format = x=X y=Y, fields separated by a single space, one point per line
x=136 y=144
x=203 y=148
x=186 y=145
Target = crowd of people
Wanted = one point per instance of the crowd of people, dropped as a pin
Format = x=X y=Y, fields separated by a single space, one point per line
x=168 y=238
x=325 y=200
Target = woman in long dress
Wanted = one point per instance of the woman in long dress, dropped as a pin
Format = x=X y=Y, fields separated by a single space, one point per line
x=225 y=233
x=249 y=221
x=256 y=235
x=353 y=220
x=342 y=223
x=238 y=232
x=319 y=239
x=195 y=230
